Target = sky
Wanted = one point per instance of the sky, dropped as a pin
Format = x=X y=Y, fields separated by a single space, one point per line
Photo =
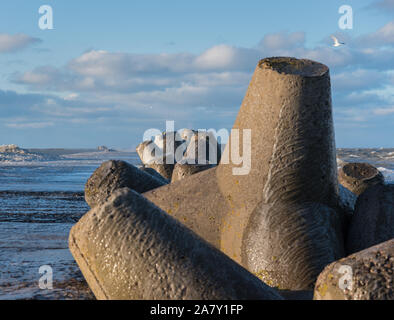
x=110 y=70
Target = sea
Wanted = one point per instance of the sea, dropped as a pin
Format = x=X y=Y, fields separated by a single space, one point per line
x=42 y=197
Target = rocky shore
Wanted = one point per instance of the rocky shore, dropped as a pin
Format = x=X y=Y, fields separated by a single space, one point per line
x=294 y=227
x=12 y=153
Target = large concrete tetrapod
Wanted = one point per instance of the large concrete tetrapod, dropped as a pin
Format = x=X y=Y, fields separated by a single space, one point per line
x=293 y=167
x=130 y=249
x=364 y=275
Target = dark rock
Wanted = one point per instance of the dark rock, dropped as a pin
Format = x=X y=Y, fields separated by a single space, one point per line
x=346 y=206
x=112 y=175
x=373 y=220
x=357 y=177
x=347 y=199
x=154 y=173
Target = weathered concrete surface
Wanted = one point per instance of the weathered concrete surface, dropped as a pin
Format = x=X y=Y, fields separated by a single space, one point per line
x=195 y=202
x=112 y=175
x=365 y=275
x=373 y=220
x=293 y=161
x=154 y=173
x=164 y=169
x=130 y=249
x=289 y=244
x=182 y=171
x=357 y=177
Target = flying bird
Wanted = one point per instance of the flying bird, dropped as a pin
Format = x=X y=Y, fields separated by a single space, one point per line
x=336 y=42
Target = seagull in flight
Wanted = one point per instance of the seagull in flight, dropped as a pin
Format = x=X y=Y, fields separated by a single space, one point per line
x=336 y=42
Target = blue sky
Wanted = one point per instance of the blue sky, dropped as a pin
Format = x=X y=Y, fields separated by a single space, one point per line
x=109 y=70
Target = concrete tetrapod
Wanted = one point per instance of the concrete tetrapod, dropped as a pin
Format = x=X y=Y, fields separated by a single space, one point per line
x=373 y=221
x=287 y=109
x=115 y=174
x=358 y=177
x=130 y=249
x=365 y=275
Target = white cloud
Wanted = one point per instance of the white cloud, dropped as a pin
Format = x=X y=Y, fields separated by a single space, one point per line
x=383 y=36
x=225 y=57
x=101 y=71
x=384 y=111
x=12 y=43
x=215 y=79
x=221 y=56
x=282 y=41
x=358 y=79
x=386 y=33
x=102 y=63
x=35 y=78
x=352 y=115
x=116 y=86
x=30 y=125
x=98 y=71
x=71 y=97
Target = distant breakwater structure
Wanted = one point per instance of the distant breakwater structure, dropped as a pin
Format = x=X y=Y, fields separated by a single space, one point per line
x=215 y=235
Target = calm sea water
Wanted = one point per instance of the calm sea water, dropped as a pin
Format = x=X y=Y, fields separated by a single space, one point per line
x=41 y=200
